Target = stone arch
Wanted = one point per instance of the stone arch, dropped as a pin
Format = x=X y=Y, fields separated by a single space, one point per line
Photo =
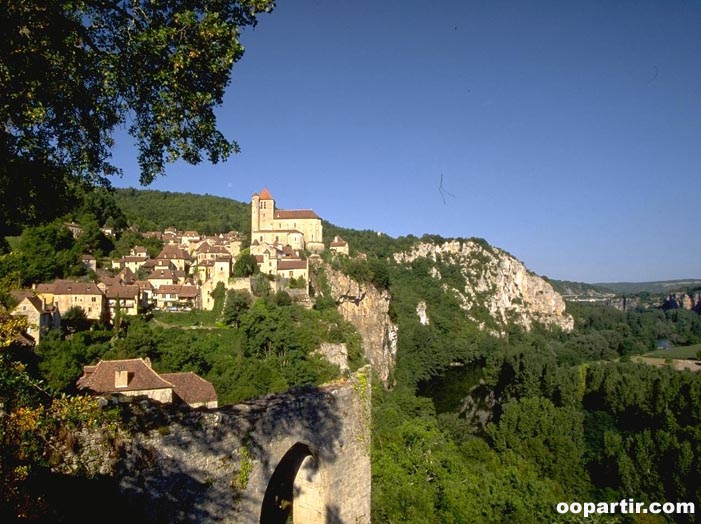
x=294 y=493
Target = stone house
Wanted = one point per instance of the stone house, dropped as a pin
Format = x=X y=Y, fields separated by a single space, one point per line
x=75 y=229
x=128 y=297
x=162 y=277
x=133 y=263
x=177 y=256
x=66 y=294
x=41 y=317
x=138 y=251
x=121 y=380
x=338 y=245
x=177 y=296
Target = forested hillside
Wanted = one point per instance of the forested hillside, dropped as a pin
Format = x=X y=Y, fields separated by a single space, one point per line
x=151 y=210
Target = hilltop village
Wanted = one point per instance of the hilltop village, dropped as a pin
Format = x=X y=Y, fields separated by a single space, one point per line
x=184 y=274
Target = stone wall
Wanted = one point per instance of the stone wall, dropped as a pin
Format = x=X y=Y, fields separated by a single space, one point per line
x=305 y=451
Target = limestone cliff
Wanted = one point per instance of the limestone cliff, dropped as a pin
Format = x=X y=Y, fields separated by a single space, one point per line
x=367 y=309
x=680 y=300
x=496 y=281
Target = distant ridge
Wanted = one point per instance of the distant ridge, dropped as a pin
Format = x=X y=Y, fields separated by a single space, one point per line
x=654 y=287
x=609 y=289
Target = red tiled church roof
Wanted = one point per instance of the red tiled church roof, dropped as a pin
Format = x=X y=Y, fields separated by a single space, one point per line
x=265 y=194
x=295 y=213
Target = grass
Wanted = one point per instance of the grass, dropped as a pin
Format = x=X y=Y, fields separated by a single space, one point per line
x=681 y=352
x=196 y=317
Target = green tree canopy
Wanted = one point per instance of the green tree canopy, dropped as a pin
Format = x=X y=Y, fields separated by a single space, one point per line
x=73 y=71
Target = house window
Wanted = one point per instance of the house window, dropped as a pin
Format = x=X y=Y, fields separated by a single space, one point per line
x=262 y=205
x=94 y=299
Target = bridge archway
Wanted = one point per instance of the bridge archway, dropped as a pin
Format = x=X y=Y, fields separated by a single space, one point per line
x=293 y=495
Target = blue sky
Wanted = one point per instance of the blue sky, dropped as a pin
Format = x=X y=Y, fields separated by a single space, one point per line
x=567 y=132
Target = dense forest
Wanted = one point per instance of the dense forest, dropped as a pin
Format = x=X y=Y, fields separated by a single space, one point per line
x=477 y=427
x=151 y=210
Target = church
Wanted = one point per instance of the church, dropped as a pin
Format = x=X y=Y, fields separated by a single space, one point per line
x=300 y=229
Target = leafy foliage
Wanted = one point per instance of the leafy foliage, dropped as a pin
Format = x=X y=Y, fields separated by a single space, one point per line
x=72 y=72
x=206 y=214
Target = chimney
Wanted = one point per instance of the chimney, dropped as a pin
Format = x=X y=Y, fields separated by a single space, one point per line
x=121 y=377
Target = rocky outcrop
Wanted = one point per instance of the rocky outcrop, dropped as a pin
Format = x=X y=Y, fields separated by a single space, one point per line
x=496 y=281
x=337 y=354
x=690 y=301
x=367 y=308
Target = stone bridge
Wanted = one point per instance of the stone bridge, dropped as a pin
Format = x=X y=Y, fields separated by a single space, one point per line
x=300 y=457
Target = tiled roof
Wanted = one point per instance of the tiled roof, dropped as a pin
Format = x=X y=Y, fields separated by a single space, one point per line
x=34 y=300
x=122 y=292
x=295 y=213
x=265 y=194
x=188 y=292
x=172 y=289
x=143 y=284
x=173 y=252
x=20 y=294
x=338 y=242
x=68 y=287
x=182 y=291
x=291 y=264
x=134 y=258
x=101 y=378
x=161 y=273
x=204 y=247
x=190 y=387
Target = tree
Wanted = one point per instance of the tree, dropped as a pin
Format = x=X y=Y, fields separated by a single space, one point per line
x=245 y=265
x=47 y=252
x=75 y=320
x=237 y=303
x=74 y=71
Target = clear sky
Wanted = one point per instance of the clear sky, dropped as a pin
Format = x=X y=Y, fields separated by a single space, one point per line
x=565 y=132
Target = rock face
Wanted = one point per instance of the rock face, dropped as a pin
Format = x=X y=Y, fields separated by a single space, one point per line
x=335 y=353
x=421 y=312
x=495 y=280
x=691 y=301
x=367 y=309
